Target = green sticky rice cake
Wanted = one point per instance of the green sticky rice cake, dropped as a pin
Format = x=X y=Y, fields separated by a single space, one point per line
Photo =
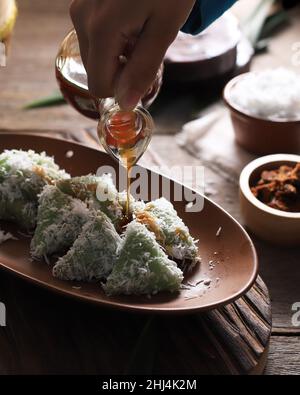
x=134 y=205
x=142 y=267
x=59 y=222
x=161 y=218
x=23 y=175
x=93 y=254
x=99 y=193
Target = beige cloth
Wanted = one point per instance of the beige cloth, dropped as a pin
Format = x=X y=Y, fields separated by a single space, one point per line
x=211 y=139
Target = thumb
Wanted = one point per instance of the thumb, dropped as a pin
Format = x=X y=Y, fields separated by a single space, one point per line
x=140 y=71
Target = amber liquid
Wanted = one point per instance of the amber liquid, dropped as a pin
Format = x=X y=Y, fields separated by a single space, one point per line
x=126 y=135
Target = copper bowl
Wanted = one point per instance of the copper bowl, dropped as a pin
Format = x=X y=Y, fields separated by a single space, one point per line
x=208 y=55
x=275 y=226
x=258 y=135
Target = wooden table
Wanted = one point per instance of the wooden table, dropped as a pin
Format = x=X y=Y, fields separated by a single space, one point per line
x=30 y=75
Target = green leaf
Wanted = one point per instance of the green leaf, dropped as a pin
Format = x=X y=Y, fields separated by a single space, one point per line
x=274 y=22
x=143 y=356
x=54 y=100
x=254 y=23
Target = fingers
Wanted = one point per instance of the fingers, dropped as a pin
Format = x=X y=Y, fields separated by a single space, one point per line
x=103 y=64
x=83 y=46
x=99 y=26
x=99 y=47
x=80 y=28
x=142 y=66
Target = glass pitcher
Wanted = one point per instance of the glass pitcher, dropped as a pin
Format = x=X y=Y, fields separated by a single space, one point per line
x=72 y=79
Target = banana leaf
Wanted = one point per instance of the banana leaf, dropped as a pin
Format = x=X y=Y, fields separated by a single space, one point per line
x=253 y=25
x=49 y=101
x=143 y=356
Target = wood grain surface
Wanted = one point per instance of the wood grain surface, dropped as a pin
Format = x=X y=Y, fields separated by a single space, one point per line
x=49 y=334
x=29 y=75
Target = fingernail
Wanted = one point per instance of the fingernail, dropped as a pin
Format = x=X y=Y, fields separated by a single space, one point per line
x=129 y=100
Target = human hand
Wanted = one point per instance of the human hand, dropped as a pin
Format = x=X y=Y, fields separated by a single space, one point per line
x=140 y=29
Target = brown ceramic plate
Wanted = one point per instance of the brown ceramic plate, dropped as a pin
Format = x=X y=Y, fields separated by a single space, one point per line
x=229 y=263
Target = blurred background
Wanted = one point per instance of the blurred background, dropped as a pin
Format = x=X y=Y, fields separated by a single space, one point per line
x=267 y=35
x=40 y=28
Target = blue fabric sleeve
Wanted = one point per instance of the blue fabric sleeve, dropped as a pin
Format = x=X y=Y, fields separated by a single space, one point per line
x=204 y=13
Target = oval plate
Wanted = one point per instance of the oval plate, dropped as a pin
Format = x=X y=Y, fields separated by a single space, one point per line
x=228 y=266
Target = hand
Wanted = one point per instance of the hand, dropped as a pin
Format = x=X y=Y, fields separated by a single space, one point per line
x=140 y=29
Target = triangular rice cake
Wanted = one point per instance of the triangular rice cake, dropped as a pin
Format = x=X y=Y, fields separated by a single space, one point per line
x=93 y=254
x=142 y=266
x=60 y=221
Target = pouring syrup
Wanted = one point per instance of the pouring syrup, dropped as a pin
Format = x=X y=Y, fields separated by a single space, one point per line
x=125 y=135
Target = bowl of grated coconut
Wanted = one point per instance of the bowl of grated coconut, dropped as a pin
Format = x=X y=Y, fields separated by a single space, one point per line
x=265 y=111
